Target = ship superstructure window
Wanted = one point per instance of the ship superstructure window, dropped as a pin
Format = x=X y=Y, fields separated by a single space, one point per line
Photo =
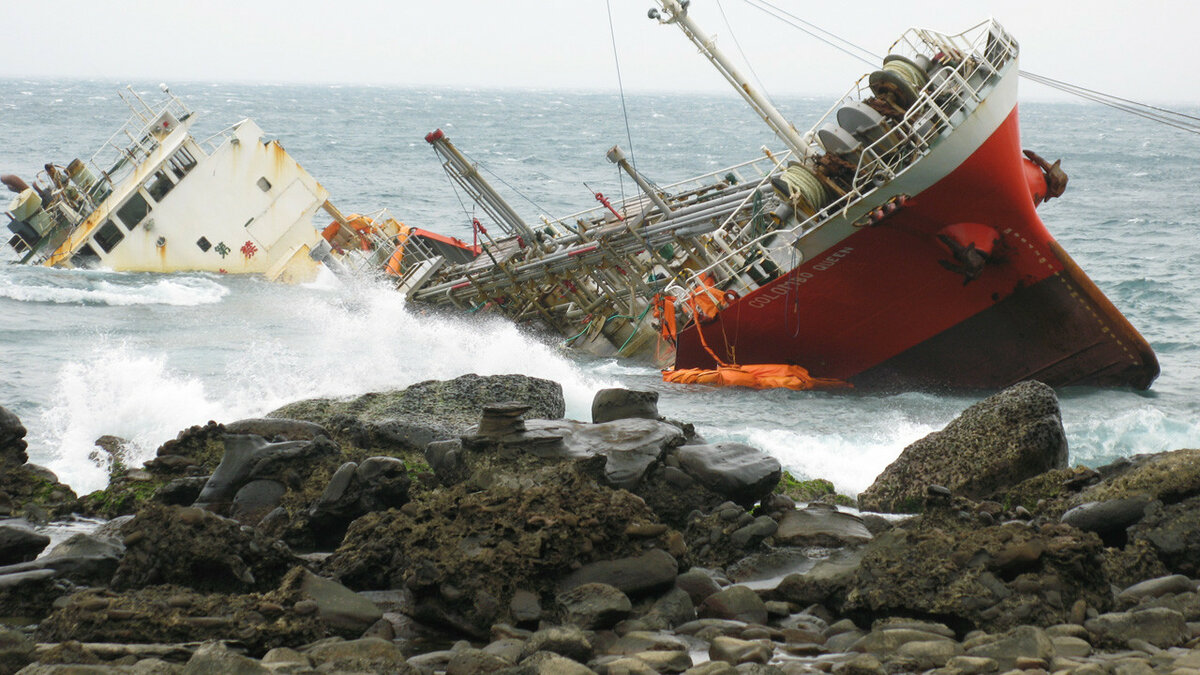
x=204 y=244
x=108 y=236
x=86 y=256
x=264 y=184
x=134 y=209
x=181 y=162
x=158 y=185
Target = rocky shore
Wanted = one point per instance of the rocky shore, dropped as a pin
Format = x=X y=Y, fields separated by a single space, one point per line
x=465 y=527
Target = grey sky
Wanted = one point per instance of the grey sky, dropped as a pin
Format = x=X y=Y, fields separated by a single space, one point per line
x=1142 y=51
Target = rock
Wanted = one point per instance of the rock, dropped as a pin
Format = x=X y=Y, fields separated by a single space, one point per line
x=525 y=606
x=255 y=500
x=1153 y=588
x=995 y=443
x=1169 y=477
x=12 y=440
x=625 y=665
x=214 y=658
x=439 y=409
x=1109 y=519
x=736 y=602
x=734 y=651
x=277 y=429
x=249 y=457
x=738 y=472
x=19 y=542
x=1158 y=626
x=617 y=404
x=993 y=577
x=1023 y=641
x=475 y=662
x=371 y=655
x=928 y=654
x=200 y=550
x=180 y=491
x=824 y=582
x=637 y=642
x=345 y=612
x=753 y=534
x=1174 y=533
x=698 y=583
x=821 y=525
x=863 y=664
x=16 y=650
x=887 y=640
x=85 y=559
x=673 y=608
x=973 y=665
x=566 y=641
x=594 y=606
x=547 y=663
x=651 y=571
x=1071 y=647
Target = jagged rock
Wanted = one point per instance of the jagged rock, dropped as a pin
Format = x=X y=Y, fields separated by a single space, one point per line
x=465 y=552
x=19 y=542
x=995 y=443
x=617 y=404
x=1158 y=626
x=409 y=419
x=736 y=602
x=1169 y=477
x=594 y=606
x=978 y=577
x=739 y=472
x=1174 y=533
x=172 y=614
x=821 y=525
x=200 y=550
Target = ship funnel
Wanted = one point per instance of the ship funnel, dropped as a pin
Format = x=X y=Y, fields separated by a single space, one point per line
x=79 y=174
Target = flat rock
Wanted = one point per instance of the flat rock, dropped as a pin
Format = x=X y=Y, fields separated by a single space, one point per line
x=1158 y=626
x=996 y=443
x=1021 y=642
x=341 y=609
x=888 y=640
x=739 y=472
x=277 y=428
x=1153 y=588
x=654 y=570
x=821 y=525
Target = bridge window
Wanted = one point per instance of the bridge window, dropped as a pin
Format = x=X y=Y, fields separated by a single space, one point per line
x=108 y=236
x=158 y=186
x=133 y=210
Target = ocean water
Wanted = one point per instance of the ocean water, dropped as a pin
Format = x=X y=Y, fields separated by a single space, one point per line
x=88 y=353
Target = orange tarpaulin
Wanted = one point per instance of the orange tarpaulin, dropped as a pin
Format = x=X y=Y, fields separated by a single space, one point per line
x=755 y=376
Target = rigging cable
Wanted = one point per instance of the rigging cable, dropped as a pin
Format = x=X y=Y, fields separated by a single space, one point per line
x=1171 y=118
x=612 y=33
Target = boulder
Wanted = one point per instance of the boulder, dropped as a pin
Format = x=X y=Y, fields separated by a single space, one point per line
x=1169 y=477
x=617 y=404
x=739 y=472
x=343 y=611
x=365 y=655
x=200 y=550
x=16 y=650
x=19 y=542
x=969 y=576
x=821 y=525
x=1028 y=642
x=248 y=458
x=12 y=440
x=995 y=443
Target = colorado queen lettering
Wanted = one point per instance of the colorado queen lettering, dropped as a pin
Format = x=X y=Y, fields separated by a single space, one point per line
x=779 y=290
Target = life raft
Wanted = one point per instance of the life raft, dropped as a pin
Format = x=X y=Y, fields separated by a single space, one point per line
x=755 y=376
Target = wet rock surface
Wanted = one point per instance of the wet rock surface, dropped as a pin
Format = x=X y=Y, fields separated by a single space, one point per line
x=995 y=443
x=552 y=546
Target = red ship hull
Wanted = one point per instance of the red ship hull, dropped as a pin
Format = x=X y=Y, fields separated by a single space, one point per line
x=884 y=308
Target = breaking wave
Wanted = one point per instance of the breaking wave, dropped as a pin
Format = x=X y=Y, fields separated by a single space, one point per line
x=177 y=291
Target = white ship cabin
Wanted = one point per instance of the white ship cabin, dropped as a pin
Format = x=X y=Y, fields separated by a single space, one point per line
x=155 y=199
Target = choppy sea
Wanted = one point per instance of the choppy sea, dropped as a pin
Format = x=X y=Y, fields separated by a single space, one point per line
x=142 y=356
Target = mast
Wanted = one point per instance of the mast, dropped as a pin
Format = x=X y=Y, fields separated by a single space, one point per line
x=677 y=14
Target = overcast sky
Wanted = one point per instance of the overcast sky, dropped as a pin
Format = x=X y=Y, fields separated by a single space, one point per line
x=1144 y=50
